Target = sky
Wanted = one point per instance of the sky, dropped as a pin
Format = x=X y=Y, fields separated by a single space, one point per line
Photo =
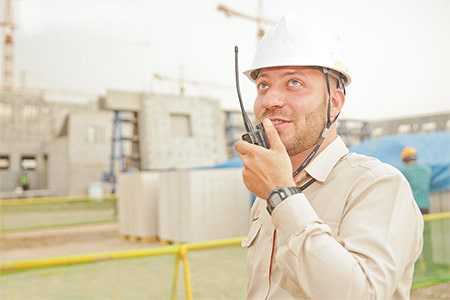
x=397 y=51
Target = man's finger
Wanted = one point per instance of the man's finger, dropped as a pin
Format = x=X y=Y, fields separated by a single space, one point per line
x=272 y=135
x=248 y=176
x=244 y=148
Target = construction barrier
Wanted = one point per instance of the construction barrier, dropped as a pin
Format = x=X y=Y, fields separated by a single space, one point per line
x=179 y=251
x=432 y=268
x=53 y=200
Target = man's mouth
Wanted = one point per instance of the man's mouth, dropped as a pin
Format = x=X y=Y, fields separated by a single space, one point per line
x=279 y=123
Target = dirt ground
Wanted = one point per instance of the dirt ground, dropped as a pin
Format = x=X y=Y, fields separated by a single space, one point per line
x=437 y=292
x=105 y=238
x=65 y=241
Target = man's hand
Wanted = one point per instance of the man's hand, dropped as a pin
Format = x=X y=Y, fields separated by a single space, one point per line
x=265 y=169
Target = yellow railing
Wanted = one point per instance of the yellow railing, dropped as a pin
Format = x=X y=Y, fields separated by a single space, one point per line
x=437 y=216
x=52 y=200
x=180 y=251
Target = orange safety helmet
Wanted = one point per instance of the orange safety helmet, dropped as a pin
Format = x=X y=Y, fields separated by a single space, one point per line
x=409 y=153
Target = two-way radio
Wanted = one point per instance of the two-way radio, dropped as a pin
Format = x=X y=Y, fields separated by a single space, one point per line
x=256 y=136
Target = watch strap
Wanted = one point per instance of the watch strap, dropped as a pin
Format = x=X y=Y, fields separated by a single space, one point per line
x=281 y=193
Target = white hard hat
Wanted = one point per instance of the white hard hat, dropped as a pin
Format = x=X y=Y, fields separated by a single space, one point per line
x=295 y=43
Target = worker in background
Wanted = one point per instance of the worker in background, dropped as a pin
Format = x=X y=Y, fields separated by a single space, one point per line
x=24 y=181
x=419 y=178
x=326 y=224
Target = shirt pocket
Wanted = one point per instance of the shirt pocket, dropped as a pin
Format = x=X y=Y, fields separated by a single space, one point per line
x=255 y=228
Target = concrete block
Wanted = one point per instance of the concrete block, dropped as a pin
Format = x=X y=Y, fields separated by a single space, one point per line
x=138 y=195
x=121 y=100
x=201 y=205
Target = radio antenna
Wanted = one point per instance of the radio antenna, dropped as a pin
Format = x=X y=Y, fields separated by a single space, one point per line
x=247 y=123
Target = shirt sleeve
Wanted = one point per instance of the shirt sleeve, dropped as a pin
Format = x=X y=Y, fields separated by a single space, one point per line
x=376 y=240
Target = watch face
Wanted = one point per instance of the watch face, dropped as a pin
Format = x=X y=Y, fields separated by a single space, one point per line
x=276 y=198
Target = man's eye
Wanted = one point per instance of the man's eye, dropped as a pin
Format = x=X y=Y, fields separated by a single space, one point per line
x=295 y=83
x=262 y=85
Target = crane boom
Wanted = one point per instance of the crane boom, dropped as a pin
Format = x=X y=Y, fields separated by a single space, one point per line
x=258 y=19
x=191 y=82
x=231 y=12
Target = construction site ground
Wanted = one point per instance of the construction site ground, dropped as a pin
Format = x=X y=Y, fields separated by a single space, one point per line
x=213 y=271
x=105 y=238
x=216 y=274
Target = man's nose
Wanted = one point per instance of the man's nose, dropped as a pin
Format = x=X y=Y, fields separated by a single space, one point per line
x=273 y=98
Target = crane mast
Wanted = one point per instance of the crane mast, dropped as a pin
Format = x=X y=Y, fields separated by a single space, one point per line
x=8 y=46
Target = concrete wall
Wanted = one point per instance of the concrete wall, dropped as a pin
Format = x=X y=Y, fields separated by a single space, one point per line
x=58 y=163
x=81 y=157
x=162 y=147
x=89 y=139
x=89 y=136
x=9 y=179
x=414 y=124
x=28 y=124
x=24 y=129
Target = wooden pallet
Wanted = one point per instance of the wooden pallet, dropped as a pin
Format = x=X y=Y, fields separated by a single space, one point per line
x=165 y=242
x=140 y=239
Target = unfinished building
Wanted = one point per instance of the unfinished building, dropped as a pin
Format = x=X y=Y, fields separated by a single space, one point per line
x=27 y=125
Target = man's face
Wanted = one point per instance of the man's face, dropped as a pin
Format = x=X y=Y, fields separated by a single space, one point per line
x=294 y=99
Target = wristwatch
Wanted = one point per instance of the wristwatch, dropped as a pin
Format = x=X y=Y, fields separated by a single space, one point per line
x=280 y=194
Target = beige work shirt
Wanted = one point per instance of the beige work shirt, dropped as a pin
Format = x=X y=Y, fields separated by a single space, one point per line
x=353 y=234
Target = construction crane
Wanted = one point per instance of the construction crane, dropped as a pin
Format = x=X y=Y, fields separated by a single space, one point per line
x=8 y=46
x=229 y=12
x=182 y=82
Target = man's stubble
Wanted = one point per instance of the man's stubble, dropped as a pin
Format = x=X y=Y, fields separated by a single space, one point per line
x=305 y=137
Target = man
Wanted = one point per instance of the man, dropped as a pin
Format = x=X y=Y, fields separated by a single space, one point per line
x=419 y=178
x=326 y=224
x=24 y=181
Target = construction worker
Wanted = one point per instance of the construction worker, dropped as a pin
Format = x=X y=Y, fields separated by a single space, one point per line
x=418 y=176
x=326 y=224
x=24 y=182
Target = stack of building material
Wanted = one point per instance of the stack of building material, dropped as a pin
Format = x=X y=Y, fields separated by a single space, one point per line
x=440 y=202
x=200 y=205
x=137 y=205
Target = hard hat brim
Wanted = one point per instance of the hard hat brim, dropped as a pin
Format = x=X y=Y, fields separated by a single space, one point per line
x=252 y=74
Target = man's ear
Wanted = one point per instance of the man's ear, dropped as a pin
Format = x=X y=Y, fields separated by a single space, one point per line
x=337 y=102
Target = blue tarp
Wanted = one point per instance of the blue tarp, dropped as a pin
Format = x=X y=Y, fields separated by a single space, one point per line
x=234 y=162
x=433 y=149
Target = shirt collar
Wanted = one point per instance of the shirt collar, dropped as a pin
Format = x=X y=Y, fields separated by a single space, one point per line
x=324 y=162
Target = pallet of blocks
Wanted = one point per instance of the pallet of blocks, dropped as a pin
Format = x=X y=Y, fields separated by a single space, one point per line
x=202 y=205
x=440 y=202
x=138 y=201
